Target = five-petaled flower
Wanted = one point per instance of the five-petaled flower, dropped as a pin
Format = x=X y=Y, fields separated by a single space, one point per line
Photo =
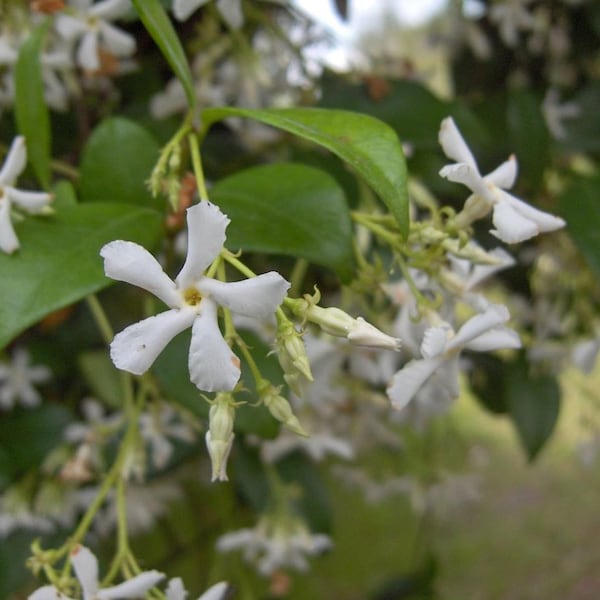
x=515 y=220
x=193 y=299
x=31 y=202
x=85 y=566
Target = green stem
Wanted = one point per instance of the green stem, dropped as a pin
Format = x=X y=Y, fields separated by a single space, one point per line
x=197 y=165
x=237 y=264
x=100 y=317
x=297 y=276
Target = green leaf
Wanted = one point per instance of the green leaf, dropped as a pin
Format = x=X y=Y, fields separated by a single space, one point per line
x=59 y=261
x=159 y=26
x=534 y=405
x=31 y=111
x=28 y=435
x=116 y=163
x=580 y=206
x=368 y=145
x=528 y=135
x=64 y=195
x=101 y=376
x=288 y=209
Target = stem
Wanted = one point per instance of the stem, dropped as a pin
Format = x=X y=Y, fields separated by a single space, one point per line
x=197 y=165
x=297 y=276
x=391 y=238
x=237 y=264
x=100 y=317
x=63 y=168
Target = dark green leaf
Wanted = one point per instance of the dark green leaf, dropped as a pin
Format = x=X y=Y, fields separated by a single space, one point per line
x=64 y=195
x=31 y=111
x=580 y=206
x=288 y=209
x=59 y=261
x=534 y=404
x=116 y=163
x=368 y=145
x=528 y=135
x=487 y=379
x=159 y=26
x=27 y=435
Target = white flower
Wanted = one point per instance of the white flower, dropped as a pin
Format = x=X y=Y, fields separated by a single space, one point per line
x=17 y=379
x=31 y=202
x=193 y=299
x=515 y=220
x=556 y=112
x=176 y=591
x=89 y=25
x=276 y=543
x=441 y=349
x=85 y=566
x=231 y=10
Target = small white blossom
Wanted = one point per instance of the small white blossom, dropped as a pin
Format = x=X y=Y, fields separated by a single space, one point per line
x=31 y=202
x=230 y=10
x=85 y=566
x=89 y=26
x=515 y=220
x=176 y=591
x=556 y=112
x=17 y=380
x=441 y=350
x=193 y=300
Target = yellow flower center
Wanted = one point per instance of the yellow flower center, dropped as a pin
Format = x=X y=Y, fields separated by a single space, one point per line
x=192 y=296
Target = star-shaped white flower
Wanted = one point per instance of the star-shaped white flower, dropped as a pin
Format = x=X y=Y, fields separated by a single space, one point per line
x=17 y=380
x=441 y=351
x=193 y=299
x=231 y=10
x=515 y=220
x=89 y=24
x=85 y=566
x=31 y=202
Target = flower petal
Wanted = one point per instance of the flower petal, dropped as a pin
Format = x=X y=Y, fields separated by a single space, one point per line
x=257 y=297
x=133 y=588
x=110 y=9
x=15 y=161
x=137 y=346
x=32 y=202
x=544 y=221
x=495 y=339
x=8 y=238
x=454 y=145
x=512 y=227
x=48 y=592
x=69 y=27
x=182 y=9
x=409 y=380
x=206 y=236
x=175 y=590
x=85 y=565
x=213 y=366
x=584 y=355
x=132 y=263
x=494 y=315
x=505 y=175
x=87 y=53
x=434 y=341
x=231 y=11
x=116 y=41
x=216 y=592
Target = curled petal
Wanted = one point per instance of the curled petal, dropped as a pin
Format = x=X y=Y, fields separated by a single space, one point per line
x=454 y=145
x=182 y=9
x=117 y=41
x=257 y=297
x=495 y=339
x=493 y=316
x=133 y=588
x=206 y=236
x=505 y=175
x=213 y=366
x=85 y=565
x=132 y=263
x=138 y=346
x=467 y=175
x=544 y=221
x=15 y=162
x=409 y=380
x=8 y=239
x=512 y=227
x=32 y=202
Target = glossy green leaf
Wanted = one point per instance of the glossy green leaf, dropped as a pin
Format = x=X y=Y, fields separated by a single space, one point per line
x=59 y=261
x=528 y=134
x=288 y=209
x=580 y=206
x=117 y=162
x=368 y=145
x=31 y=111
x=159 y=26
x=534 y=405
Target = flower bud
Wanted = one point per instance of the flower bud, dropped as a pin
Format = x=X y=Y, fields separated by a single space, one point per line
x=280 y=408
x=292 y=354
x=219 y=437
